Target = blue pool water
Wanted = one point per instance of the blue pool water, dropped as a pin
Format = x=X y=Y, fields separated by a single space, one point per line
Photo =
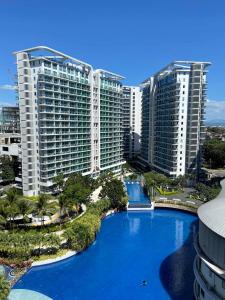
x=136 y=193
x=155 y=246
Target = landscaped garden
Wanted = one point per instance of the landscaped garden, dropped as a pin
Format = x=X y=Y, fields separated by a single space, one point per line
x=47 y=226
x=157 y=185
x=155 y=182
x=44 y=226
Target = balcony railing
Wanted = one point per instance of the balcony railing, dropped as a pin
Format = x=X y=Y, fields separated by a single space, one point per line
x=208 y=289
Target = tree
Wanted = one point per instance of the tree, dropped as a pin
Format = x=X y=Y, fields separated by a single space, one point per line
x=24 y=208
x=4 y=288
x=114 y=191
x=90 y=182
x=12 y=195
x=59 y=182
x=77 y=236
x=150 y=184
x=4 y=213
x=65 y=204
x=105 y=177
x=46 y=241
x=214 y=153
x=78 y=194
x=11 y=205
x=8 y=173
x=82 y=232
x=180 y=181
x=207 y=192
x=74 y=178
x=43 y=207
x=13 y=212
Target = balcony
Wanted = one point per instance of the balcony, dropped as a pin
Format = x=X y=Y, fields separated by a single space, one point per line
x=208 y=289
x=206 y=260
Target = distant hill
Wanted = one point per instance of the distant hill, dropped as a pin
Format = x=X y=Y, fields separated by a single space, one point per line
x=216 y=122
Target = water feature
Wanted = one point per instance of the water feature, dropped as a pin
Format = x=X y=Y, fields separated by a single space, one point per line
x=131 y=247
x=136 y=193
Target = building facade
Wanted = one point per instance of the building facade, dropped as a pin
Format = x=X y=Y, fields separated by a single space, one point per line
x=9 y=119
x=173 y=118
x=10 y=148
x=67 y=116
x=209 y=264
x=132 y=97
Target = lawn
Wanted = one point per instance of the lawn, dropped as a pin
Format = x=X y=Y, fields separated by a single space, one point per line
x=167 y=193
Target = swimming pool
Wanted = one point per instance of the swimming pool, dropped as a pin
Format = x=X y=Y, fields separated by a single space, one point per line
x=135 y=192
x=155 y=246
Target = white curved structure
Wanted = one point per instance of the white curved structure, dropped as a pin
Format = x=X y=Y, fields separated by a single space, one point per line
x=209 y=265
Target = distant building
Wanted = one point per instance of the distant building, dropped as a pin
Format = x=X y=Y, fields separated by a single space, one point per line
x=209 y=264
x=132 y=121
x=9 y=119
x=71 y=118
x=10 y=147
x=173 y=111
x=215 y=133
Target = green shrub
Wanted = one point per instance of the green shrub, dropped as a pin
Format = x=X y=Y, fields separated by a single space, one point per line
x=4 y=288
x=122 y=205
x=82 y=231
x=100 y=207
x=22 y=245
x=164 y=192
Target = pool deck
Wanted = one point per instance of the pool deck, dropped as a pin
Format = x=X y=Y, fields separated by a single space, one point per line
x=140 y=207
x=177 y=206
x=53 y=260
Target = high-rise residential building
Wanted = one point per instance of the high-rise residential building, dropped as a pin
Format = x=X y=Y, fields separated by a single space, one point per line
x=70 y=118
x=9 y=119
x=173 y=118
x=132 y=121
x=209 y=264
x=110 y=99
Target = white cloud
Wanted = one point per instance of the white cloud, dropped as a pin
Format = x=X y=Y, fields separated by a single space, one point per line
x=7 y=103
x=215 y=110
x=7 y=87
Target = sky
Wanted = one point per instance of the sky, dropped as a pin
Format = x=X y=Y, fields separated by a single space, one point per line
x=131 y=38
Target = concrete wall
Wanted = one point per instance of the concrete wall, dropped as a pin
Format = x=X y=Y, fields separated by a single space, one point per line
x=212 y=245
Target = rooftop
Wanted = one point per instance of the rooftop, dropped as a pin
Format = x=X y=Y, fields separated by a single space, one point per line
x=212 y=213
x=43 y=52
x=183 y=65
x=40 y=50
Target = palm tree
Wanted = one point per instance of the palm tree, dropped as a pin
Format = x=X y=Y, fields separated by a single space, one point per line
x=150 y=183
x=12 y=195
x=4 y=213
x=59 y=182
x=13 y=212
x=8 y=207
x=65 y=204
x=24 y=208
x=43 y=207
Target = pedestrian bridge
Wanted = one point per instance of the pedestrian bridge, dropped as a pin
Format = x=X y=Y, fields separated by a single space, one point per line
x=140 y=206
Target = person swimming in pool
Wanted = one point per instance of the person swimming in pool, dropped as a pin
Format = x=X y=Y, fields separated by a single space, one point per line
x=144 y=283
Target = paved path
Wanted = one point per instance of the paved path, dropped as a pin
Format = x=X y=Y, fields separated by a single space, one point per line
x=183 y=196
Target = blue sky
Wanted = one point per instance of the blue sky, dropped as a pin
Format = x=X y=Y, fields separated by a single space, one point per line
x=132 y=38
